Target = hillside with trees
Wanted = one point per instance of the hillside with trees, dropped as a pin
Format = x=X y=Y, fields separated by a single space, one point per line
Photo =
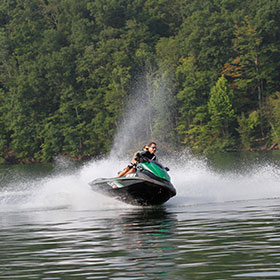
x=67 y=68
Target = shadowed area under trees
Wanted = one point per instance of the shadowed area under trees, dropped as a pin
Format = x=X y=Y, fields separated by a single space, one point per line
x=67 y=68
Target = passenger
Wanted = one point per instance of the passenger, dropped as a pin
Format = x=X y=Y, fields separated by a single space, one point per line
x=131 y=168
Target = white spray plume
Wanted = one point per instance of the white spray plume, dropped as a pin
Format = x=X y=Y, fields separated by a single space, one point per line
x=147 y=116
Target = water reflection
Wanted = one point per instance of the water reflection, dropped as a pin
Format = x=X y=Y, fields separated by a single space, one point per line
x=125 y=243
x=145 y=236
x=210 y=241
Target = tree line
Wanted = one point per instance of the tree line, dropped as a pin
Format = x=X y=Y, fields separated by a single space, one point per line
x=67 y=68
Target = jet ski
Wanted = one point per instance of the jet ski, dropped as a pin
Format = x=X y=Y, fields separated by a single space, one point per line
x=149 y=185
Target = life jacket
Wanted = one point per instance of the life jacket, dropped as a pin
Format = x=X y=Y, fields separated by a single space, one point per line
x=144 y=156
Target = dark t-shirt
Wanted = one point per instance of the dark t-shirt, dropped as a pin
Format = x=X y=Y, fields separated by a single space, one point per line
x=143 y=156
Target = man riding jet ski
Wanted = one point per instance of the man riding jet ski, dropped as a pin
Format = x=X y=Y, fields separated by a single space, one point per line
x=148 y=152
x=149 y=184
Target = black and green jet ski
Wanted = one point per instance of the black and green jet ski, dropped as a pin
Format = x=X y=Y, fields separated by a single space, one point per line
x=149 y=185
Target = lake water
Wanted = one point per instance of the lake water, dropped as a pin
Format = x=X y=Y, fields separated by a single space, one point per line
x=223 y=223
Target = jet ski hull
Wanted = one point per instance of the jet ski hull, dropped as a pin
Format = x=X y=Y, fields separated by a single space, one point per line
x=137 y=190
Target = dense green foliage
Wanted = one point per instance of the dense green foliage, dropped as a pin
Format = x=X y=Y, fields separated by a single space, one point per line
x=67 y=68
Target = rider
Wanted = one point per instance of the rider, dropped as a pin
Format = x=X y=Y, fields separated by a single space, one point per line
x=147 y=153
x=132 y=166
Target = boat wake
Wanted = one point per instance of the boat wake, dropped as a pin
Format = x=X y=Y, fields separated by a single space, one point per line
x=196 y=182
x=193 y=179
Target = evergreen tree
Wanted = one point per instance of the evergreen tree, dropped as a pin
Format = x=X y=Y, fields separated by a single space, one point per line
x=220 y=108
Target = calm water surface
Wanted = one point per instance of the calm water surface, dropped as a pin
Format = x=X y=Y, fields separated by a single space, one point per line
x=223 y=224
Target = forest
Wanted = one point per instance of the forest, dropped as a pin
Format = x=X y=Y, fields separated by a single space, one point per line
x=67 y=68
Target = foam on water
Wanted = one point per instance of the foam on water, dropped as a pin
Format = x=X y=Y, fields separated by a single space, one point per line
x=194 y=180
x=64 y=190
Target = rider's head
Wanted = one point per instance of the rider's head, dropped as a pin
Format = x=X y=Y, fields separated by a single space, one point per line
x=152 y=147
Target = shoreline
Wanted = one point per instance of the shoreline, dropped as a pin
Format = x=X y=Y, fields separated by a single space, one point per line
x=13 y=161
